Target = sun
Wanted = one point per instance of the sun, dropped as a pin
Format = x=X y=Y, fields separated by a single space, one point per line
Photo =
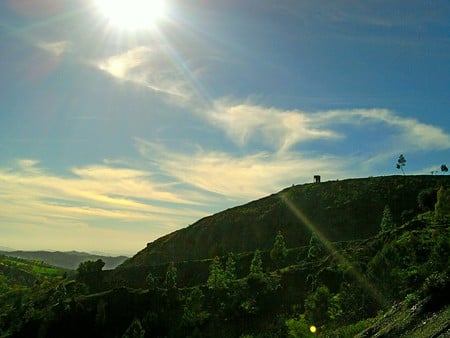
x=132 y=14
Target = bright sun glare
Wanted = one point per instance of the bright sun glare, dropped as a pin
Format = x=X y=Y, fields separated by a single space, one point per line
x=132 y=14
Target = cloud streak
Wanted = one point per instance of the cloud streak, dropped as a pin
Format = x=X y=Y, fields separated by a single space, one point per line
x=281 y=130
x=409 y=133
x=55 y=48
x=241 y=178
x=90 y=198
x=148 y=67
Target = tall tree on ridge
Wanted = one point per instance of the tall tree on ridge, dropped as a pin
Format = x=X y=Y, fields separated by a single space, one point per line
x=401 y=162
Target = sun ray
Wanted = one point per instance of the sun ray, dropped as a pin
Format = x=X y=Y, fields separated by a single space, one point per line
x=375 y=293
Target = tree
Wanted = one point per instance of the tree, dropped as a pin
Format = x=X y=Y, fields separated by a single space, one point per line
x=171 y=276
x=135 y=330
x=426 y=199
x=401 y=162
x=316 y=306
x=442 y=207
x=316 y=248
x=151 y=281
x=444 y=168
x=90 y=273
x=279 y=251
x=221 y=277
x=193 y=312
x=89 y=267
x=387 y=223
x=217 y=277
x=230 y=268
x=299 y=328
x=256 y=269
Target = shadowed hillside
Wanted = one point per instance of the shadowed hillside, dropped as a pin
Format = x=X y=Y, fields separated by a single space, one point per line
x=340 y=210
x=382 y=271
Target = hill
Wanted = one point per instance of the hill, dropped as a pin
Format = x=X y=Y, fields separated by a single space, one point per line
x=67 y=259
x=24 y=283
x=18 y=273
x=340 y=210
x=394 y=283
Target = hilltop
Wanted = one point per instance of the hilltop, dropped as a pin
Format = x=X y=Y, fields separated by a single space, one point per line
x=341 y=210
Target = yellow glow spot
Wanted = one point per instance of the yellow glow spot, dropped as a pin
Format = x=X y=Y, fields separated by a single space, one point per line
x=313 y=329
x=132 y=14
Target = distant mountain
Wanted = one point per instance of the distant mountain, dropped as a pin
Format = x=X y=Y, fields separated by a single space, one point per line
x=5 y=248
x=67 y=260
x=341 y=210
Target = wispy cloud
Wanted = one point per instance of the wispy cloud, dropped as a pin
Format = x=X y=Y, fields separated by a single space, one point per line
x=409 y=133
x=148 y=67
x=282 y=129
x=55 y=48
x=90 y=196
x=241 y=178
x=254 y=174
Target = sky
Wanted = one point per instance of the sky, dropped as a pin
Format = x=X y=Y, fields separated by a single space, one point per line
x=118 y=126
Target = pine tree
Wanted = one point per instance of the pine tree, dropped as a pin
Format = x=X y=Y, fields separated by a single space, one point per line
x=151 y=281
x=230 y=268
x=316 y=248
x=171 y=276
x=135 y=330
x=217 y=277
x=279 y=251
x=256 y=269
x=387 y=223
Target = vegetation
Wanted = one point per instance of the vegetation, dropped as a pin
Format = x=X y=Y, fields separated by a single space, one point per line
x=401 y=162
x=23 y=285
x=67 y=260
x=340 y=210
x=327 y=283
x=279 y=251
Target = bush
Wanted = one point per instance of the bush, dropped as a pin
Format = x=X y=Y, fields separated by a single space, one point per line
x=316 y=306
x=426 y=199
x=299 y=328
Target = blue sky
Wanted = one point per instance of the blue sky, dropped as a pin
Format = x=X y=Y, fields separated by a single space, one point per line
x=111 y=136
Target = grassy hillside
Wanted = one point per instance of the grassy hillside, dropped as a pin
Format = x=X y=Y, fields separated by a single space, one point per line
x=22 y=284
x=340 y=210
x=67 y=259
x=18 y=273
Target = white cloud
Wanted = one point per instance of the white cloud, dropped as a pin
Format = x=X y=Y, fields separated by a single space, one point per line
x=277 y=128
x=282 y=129
x=148 y=67
x=410 y=133
x=55 y=48
x=240 y=178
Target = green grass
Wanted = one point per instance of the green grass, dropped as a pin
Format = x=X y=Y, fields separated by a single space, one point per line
x=353 y=329
x=46 y=271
